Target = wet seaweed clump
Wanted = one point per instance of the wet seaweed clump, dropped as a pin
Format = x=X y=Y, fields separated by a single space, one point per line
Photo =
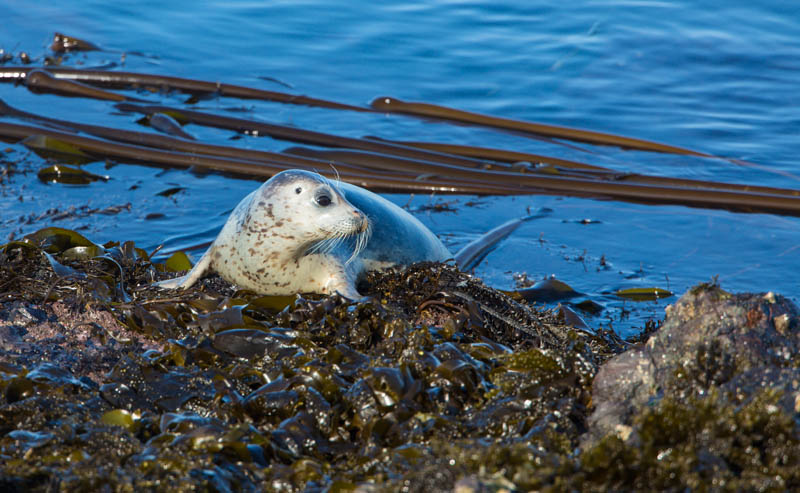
x=105 y=380
x=436 y=383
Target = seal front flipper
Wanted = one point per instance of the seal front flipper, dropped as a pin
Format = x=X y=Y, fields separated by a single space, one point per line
x=353 y=295
x=344 y=284
x=345 y=289
x=185 y=281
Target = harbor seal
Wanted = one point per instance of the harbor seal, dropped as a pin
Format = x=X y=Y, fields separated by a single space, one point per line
x=301 y=233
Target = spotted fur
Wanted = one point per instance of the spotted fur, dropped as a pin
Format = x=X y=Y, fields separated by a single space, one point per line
x=300 y=233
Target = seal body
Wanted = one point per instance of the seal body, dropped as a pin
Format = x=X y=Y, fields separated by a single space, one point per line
x=300 y=233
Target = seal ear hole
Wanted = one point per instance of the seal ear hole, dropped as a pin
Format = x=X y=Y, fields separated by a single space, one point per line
x=298 y=190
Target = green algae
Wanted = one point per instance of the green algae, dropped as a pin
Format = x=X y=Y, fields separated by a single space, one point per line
x=178 y=262
x=60 y=173
x=703 y=443
x=120 y=417
x=644 y=294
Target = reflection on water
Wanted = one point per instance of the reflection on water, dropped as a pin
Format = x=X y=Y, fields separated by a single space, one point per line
x=721 y=79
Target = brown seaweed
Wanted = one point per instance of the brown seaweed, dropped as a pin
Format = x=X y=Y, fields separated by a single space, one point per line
x=158 y=83
x=63 y=43
x=426 y=110
x=217 y=382
x=42 y=81
x=142 y=155
x=390 y=166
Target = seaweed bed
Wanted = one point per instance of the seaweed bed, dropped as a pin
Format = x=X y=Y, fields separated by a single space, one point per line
x=437 y=384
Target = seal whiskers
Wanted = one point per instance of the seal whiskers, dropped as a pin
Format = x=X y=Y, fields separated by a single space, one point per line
x=362 y=239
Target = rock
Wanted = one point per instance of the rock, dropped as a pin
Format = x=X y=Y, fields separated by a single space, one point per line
x=741 y=343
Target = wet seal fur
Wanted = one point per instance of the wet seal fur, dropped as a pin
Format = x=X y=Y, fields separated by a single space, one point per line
x=300 y=233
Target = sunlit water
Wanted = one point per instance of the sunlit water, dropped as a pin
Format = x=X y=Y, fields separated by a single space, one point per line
x=720 y=77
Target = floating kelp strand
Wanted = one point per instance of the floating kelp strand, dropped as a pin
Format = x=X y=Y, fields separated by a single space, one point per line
x=761 y=167
x=55 y=149
x=501 y=183
x=393 y=105
x=100 y=149
x=322 y=157
x=387 y=162
x=698 y=197
x=427 y=169
x=168 y=143
x=294 y=134
x=383 y=147
x=400 y=164
x=41 y=81
x=512 y=156
x=126 y=79
x=703 y=184
x=653 y=180
x=10 y=111
x=160 y=141
x=14 y=74
x=147 y=156
x=694 y=197
x=487 y=153
x=579 y=186
x=123 y=80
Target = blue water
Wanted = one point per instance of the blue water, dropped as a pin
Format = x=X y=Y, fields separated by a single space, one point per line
x=720 y=77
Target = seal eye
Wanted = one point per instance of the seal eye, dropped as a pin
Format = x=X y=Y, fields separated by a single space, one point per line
x=324 y=199
x=298 y=190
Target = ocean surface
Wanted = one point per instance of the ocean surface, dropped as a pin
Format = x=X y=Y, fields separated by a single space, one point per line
x=721 y=77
